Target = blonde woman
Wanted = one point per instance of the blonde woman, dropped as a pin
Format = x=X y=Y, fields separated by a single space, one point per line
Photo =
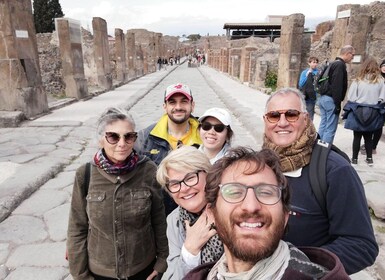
x=191 y=233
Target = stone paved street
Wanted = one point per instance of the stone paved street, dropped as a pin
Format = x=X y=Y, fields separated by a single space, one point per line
x=38 y=162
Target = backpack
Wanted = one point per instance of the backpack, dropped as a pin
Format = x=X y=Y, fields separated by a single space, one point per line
x=321 y=81
x=308 y=88
x=86 y=184
x=317 y=170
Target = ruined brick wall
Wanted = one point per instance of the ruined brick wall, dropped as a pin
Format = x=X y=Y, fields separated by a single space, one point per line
x=50 y=64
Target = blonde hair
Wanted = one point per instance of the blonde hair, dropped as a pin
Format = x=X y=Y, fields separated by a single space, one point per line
x=184 y=159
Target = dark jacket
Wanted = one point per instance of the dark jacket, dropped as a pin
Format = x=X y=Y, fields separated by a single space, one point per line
x=316 y=255
x=363 y=117
x=120 y=227
x=338 y=81
x=347 y=229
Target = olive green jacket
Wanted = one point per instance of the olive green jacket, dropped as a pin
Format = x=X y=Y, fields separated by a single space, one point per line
x=120 y=227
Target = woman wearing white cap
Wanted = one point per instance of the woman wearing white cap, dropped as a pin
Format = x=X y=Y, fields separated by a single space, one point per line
x=215 y=132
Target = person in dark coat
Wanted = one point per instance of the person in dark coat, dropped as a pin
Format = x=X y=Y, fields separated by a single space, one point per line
x=249 y=199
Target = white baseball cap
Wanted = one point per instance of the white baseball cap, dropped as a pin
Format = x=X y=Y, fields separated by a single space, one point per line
x=221 y=114
x=178 y=88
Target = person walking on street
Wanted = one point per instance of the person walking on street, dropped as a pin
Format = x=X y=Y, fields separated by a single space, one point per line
x=366 y=98
x=378 y=133
x=176 y=127
x=192 y=238
x=345 y=231
x=249 y=198
x=306 y=85
x=215 y=132
x=117 y=225
x=330 y=101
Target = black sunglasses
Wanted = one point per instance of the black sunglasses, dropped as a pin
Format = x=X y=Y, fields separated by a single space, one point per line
x=217 y=127
x=291 y=115
x=113 y=137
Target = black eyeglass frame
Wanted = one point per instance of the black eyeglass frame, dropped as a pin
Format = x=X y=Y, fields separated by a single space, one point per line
x=291 y=115
x=278 y=188
x=187 y=176
x=129 y=137
x=219 y=127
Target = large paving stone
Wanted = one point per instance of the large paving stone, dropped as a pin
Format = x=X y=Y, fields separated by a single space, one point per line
x=57 y=222
x=375 y=194
x=61 y=181
x=42 y=201
x=22 y=229
x=4 y=252
x=7 y=170
x=34 y=273
x=39 y=255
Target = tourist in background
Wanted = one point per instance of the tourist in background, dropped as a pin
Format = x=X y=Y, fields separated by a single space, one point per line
x=363 y=115
x=306 y=85
x=329 y=103
x=191 y=236
x=215 y=132
x=117 y=225
x=378 y=133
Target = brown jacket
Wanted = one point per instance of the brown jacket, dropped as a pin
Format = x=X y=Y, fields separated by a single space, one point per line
x=120 y=228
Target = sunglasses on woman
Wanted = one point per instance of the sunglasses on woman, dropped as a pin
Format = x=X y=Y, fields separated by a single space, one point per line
x=113 y=137
x=291 y=115
x=206 y=126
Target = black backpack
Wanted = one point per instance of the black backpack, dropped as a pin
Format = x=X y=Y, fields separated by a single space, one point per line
x=321 y=81
x=317 y=170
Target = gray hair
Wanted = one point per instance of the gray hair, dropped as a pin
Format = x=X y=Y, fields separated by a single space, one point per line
x=287 y=91
x=346 y=49
x=111 y=115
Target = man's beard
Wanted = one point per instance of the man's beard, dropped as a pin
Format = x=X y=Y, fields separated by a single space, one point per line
x=249 y=248
x=179 y=121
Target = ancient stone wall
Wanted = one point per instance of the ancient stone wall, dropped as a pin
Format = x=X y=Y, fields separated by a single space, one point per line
x=50 y=64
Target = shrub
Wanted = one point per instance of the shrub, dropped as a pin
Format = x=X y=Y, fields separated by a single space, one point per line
x=271 y=80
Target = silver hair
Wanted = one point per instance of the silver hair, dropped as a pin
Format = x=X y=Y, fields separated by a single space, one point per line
x=346 y=49
x=286 y=91
x=111 y=115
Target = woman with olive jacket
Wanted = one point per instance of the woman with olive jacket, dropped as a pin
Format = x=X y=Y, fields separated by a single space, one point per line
x=117 y=229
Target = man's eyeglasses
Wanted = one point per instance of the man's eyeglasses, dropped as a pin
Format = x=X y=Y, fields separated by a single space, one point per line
x=265 y=193
x=190 y=180
x=291 y=115
x=206 y=126
x=113 y=137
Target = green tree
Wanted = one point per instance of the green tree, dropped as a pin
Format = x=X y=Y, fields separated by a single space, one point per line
x=44 y=14
x=194 y=37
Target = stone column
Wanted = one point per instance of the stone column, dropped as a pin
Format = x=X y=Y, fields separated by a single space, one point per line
x=224 y=59
x=151 y=54
x=20 y=79
x=130 y=53
x=71 y=53
x=101 y=53
x=290 y=50
x=120 y=48
x=352 y=27
x=244 y=74
x=260 y=72
x=145 y=61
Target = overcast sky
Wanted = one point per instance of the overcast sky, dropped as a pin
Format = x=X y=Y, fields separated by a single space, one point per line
x=173 y=17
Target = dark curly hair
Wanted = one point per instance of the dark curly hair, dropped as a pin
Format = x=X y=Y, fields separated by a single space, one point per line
x=257 y=162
